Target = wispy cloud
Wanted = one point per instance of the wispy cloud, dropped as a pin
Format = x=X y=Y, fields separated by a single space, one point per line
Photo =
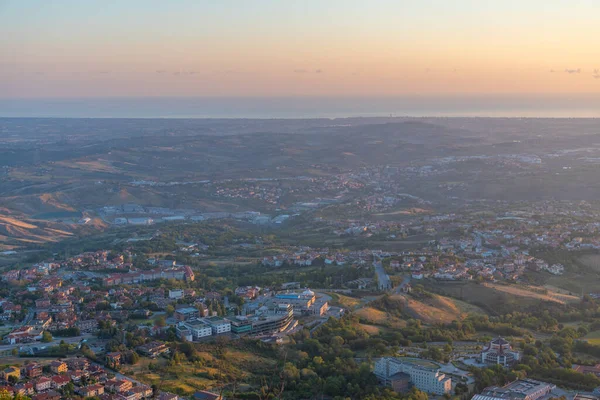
x=308 y=71
x=184 y=73
x=573 y=71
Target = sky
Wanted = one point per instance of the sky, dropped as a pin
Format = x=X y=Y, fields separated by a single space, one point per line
x=270 y=48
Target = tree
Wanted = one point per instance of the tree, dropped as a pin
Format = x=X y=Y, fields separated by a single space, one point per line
x=461 y=389
x=135 y=358
x=46 y=337
x=170 y=310
x=5 y=395
x=68 y=389
x=160 y=322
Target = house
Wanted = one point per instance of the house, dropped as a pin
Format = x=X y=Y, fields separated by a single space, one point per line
x=247 y=292
x=42 y=303
x=97 y=372
x=24 y=389
x=118 y=385
x=33 y=370
x=49 y=395
x=167 y=396
x=87 y=325
x=152 y=349
x=588 y=369
x=417 y=274
x=110 y=396
x=113 y=359
x=11 y=371
x=59 y=381
x=43 y=383
x=78 y=363
x=76 y=376
x=142 y=391
x=91 y=390
x=58 y=367
x=129 y=395
x=22 y=335
x=206 y=395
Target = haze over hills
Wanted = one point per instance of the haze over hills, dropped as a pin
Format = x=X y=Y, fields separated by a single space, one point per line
x=65 y=168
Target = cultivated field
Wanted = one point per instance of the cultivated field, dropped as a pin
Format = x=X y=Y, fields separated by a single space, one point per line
x=372 y=316
x=438 y=309
x=493 y=299
x=534 y=292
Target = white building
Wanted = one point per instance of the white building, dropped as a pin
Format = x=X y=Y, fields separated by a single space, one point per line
x=218 y=325
x=524 y=389
x=499 y=351
x=196 y=328
x=140 y=221
x=175 y=293
x=427 y=379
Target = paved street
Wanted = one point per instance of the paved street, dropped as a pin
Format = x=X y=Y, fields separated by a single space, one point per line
x=383 y=280
x=55 y=342
x=405 y=282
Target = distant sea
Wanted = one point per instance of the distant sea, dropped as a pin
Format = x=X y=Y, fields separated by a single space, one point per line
x=304 y=107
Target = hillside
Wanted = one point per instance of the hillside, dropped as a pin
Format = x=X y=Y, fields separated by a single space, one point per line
x=17 y=232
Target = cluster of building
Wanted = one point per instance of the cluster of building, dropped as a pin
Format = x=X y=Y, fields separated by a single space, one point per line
x=68 y=297
x=262 y=316
x=404 y=373
x=134 y=214
x=264 y=322
x=307 y=256
x=182 y=273
x=74 y=376
x=271 y=192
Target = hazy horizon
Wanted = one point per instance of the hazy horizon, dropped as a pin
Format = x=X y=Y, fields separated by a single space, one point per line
x=304 y=107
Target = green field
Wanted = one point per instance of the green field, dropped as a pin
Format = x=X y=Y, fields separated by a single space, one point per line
x=593 y=337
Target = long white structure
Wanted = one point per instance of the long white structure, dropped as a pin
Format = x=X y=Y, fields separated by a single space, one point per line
x=427 y=379
x=524 y=389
